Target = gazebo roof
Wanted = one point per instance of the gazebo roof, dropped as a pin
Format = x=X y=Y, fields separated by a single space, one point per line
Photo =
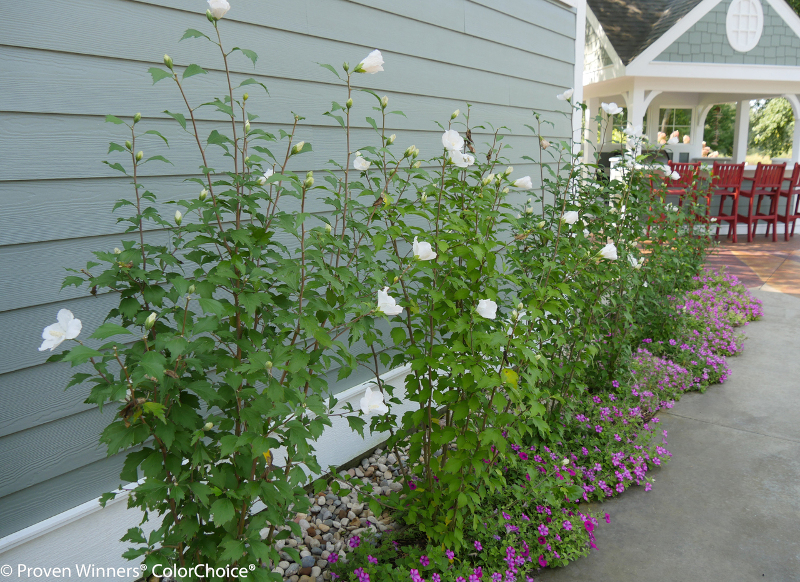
x=633 y=25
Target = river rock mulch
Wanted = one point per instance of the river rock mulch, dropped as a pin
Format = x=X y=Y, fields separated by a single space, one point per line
x=333 y=519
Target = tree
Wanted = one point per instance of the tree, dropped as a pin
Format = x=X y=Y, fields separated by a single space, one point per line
x=772 y=125
x=718 y=131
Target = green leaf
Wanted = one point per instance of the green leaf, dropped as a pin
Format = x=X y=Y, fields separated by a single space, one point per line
x=108 y=329
x=158 y=74
x=115 y=147
x=177 y=117
x=155 y=409
x=248 y=53
x=222 y=511
x=153 y=364
x=211 y=306
x=158 y=158
x=253 y=82
x=192 y=33
x=193 y=70
x=154 y=132
x=80 y=355
x=114 y=119
x=330 y=68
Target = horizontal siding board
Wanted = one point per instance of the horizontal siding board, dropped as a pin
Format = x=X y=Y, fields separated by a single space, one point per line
x=35 y=138
x=504 y=29
x=284 y=54
x=43 y=500
x=373 y=25
x=555 y=15
x=45 y=82
x=39 y=396
x=83 y=208
x=40 y=282
x=52 y=449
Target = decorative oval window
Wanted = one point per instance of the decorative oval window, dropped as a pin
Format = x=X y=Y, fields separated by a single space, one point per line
x=744 y=24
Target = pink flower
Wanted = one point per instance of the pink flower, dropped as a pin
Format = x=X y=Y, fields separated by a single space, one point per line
x=542 y=561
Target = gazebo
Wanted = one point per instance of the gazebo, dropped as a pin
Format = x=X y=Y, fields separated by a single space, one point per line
x=652 y=55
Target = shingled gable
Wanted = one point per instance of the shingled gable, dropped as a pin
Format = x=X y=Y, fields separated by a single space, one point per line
x=633 y=25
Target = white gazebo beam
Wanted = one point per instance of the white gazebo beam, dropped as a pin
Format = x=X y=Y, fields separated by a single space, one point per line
x=796 y=136
x=741 y=130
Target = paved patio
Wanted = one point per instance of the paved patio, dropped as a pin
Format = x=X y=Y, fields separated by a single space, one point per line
x=763 y=264
x=726 y=508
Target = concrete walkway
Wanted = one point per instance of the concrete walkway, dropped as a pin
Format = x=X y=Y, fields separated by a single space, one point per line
x=726 y=508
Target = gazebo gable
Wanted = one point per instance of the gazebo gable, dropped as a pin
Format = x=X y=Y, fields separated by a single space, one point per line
x=727 y=39
x=706 y=41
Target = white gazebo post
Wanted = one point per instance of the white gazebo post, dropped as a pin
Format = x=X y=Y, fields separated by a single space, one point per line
x=592 y=139
x=636 y=110
x=796 y=136
x=741 y=131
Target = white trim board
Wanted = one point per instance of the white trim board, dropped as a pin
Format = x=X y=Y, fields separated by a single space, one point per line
x=700 y=71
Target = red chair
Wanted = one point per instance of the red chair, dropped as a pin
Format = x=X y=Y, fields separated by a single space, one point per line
x=790 y=216
x=683 y=186
x=726 y=181
x=686 y=184
x=766 y=184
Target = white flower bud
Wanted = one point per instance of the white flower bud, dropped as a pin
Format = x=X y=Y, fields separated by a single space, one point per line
x=268 y=365
x=139 y=156
x=298 y=147
x=509 y=170
x=409 y=151
x=117 y=251
x=520 y=306
x=349 y=103
x=529 y=210
x=137 y=118
x=178 y=217
x=541 y=224
x=247 y=126
x=416 y=165
x=203 y=194
x=384 y=102
x=424 y=198
x=544 y=143
x=328 y=228
x=208 y=426
x=455 y=114
x=168 y=62
x=191 y=289
x=390 y=139
x=150 y=321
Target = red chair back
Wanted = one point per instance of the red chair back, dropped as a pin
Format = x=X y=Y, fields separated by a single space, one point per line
x=726 y=175
x=769 y=176
x=688 y=172
x=794 y=182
